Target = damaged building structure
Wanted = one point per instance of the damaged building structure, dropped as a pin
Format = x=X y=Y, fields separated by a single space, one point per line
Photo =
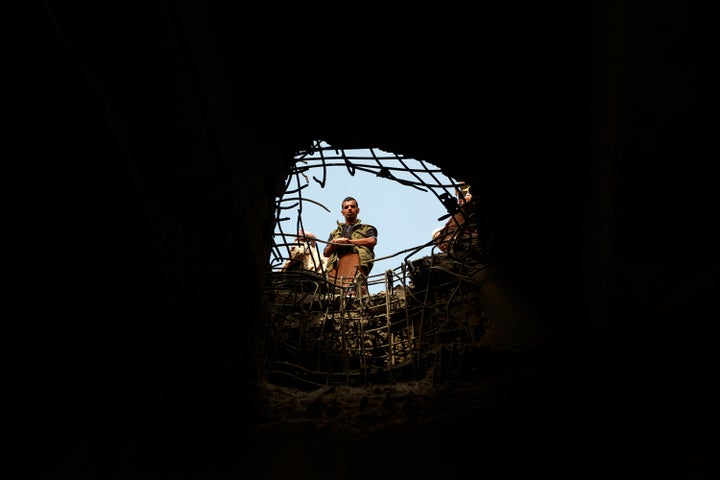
x=154 y=140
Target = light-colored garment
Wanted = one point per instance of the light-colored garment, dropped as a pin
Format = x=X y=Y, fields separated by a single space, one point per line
x=305 y=256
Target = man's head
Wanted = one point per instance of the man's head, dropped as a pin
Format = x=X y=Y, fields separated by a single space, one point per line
x=303 y=237
x=350 y=209
x=462 y=192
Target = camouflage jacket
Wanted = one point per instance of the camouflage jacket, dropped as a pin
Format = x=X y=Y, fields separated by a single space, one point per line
x=359 y=230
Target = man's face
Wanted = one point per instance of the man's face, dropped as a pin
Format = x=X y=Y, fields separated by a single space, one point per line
x=350 y=210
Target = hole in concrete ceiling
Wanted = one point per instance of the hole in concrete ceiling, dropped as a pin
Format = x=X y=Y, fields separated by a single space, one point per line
x=402 y=197
x=423 y=304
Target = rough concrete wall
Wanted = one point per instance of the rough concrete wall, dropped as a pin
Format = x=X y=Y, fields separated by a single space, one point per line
x=648 y=254
x=205 y=178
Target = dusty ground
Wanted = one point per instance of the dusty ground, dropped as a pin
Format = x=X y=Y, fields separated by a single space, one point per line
x=352 y=410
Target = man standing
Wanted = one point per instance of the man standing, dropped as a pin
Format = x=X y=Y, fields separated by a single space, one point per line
x=350 y=247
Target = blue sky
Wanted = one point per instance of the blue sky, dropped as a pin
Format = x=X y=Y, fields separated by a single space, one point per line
x=404 y=216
